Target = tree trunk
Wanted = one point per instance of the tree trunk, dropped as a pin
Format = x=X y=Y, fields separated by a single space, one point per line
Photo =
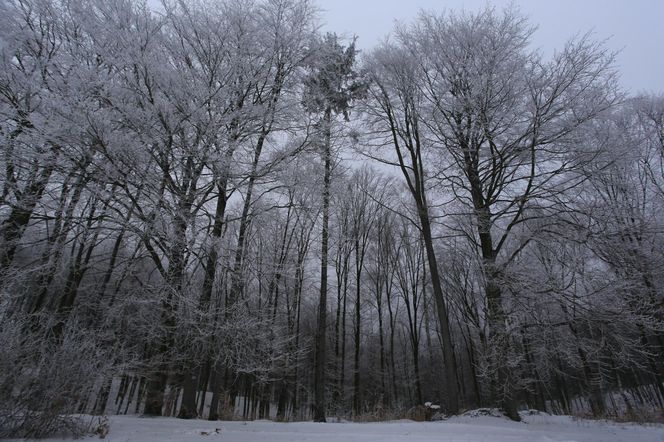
x=357 y=393
x=451 y=390
x=321 y=354
x=14 y=225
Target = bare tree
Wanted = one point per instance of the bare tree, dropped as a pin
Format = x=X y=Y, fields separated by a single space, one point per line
x=394 y=112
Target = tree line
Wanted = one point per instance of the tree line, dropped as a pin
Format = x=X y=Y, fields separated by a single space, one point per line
x=213 y=210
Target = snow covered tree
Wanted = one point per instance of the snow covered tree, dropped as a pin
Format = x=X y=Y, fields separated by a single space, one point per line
x=331 y=86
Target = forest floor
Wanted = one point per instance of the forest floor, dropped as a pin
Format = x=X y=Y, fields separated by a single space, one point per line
x=485 y=428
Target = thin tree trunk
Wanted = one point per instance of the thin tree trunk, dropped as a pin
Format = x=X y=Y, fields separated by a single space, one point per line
x=321 y=354
x=357 y=393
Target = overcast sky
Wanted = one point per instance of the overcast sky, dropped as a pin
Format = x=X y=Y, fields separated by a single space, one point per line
x=635 y=27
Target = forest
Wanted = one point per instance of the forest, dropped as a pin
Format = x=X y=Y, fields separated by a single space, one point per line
x=214 y=210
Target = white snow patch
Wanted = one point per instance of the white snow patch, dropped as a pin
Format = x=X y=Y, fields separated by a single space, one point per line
x=538 y=428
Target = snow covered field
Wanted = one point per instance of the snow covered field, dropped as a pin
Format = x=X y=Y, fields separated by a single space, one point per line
x=486 y=429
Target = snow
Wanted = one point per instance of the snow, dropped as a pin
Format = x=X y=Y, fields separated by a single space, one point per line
x=542 y=428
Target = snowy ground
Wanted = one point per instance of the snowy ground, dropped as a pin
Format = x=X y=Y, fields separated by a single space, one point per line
x=488 y=429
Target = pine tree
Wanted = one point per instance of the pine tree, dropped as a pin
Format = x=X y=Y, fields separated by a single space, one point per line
x=330 y=88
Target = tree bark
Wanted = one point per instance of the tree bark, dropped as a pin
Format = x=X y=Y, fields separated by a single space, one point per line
x=321 y=354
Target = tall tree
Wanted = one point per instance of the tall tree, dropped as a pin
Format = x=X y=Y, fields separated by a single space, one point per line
x=504 y=120
x=331 y=86
x=394 y=111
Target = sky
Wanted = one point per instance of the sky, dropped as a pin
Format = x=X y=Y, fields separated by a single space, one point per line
x=635 y=28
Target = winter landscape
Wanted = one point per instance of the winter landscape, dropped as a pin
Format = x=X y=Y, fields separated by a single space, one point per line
x=457 y=429
x=228 y=220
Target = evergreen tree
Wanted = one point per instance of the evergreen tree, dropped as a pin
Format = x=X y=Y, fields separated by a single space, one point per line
x=330 y=88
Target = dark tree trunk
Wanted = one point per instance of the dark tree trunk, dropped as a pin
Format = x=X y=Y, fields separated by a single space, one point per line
x=12 y=228
x=451 y=390
x=321 y=354
x=357 y=392
x=215 y=385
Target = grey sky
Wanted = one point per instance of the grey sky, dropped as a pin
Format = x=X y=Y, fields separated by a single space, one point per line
x=635 y=27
